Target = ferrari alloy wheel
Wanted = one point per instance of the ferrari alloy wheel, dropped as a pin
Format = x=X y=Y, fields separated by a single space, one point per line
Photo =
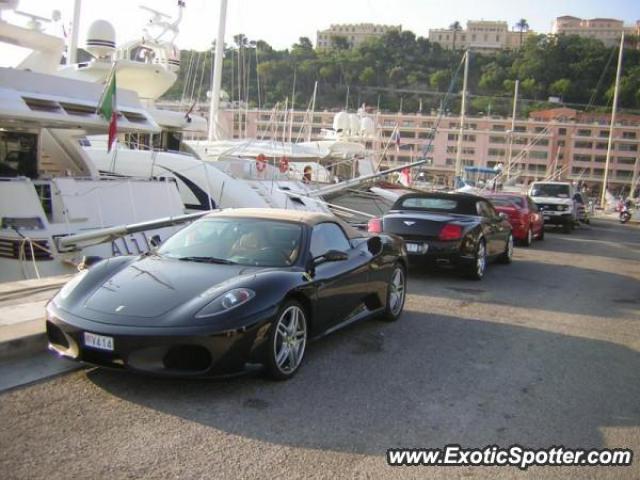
x=396 y=294
x=476 y=272
x=507 y=255
x=287 y=341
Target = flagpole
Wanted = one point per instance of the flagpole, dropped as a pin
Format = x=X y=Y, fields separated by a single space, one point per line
x=614 y=109
x=106 y=85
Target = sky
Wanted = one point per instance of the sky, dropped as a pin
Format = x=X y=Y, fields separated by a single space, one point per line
x=282 y=22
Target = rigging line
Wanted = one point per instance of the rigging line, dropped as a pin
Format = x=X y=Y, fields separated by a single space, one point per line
x=604 y=71
x=195 y=76
x=307 y=114
x=204 y=67
x=445 y=101
x=233 y=75
x=187 y=79
x=239 y=75
x=258 y=76
x=246 y=100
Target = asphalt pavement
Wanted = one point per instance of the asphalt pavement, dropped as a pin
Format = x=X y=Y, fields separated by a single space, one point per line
x=543 y=352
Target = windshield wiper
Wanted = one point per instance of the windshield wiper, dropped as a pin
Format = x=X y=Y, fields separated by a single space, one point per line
x=222 y=261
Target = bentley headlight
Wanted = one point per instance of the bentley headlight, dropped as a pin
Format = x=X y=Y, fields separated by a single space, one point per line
x=227 y=301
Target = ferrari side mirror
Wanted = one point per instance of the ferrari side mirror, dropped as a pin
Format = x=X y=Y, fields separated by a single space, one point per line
x=330 y=256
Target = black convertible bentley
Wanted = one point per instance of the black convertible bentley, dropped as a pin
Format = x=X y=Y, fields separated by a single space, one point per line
x=457 y=229
x=236 y=288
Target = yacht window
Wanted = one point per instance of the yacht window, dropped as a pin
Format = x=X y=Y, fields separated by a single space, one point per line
x=41 y=105
x=18 y=154
x=75 y=109
x=134 y=117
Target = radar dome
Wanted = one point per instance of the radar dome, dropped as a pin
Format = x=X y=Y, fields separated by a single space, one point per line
x=101 y=39
x=341 y=122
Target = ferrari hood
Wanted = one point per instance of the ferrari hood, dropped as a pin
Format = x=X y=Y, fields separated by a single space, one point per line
x=152 y=286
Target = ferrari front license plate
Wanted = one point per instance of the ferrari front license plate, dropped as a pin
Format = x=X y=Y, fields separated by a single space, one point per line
x=414 y=247
x=100 y=342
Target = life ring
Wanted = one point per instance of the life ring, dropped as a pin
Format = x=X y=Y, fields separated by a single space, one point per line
x=284 y=165
x=261 y=162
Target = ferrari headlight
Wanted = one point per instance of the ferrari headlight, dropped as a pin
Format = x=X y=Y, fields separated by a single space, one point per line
x=227 y=301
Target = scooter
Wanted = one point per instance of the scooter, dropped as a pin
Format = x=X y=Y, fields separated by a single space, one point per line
x=625 y=214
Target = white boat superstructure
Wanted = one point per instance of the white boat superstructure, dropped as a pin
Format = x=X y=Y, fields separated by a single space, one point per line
x=49 y=188
x=148 y=66
x=206 y=185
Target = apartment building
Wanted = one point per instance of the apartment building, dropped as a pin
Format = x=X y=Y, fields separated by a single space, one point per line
x=481 y=36
x=355 y=34
x=572 y=143
x=607 y=30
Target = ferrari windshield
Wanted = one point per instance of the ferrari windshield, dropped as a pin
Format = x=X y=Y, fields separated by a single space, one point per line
x=242 y=241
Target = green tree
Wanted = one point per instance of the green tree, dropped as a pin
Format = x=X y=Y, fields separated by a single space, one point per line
x=522 y=26
x=561 y=87
x=440 y=80
x=367 y=76
x=581 y=70
x=340 y=43
x=456 y=27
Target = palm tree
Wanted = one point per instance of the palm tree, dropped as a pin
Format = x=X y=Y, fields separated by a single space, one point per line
x=456 y=27
x=522 y=26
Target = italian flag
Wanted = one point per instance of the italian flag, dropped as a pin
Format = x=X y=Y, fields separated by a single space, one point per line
x=108 y=108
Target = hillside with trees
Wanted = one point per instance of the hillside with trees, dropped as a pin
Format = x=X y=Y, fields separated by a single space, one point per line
x=403 y=71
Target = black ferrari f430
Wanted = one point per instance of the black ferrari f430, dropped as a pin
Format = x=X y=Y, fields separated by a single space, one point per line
x=456 y=229
x=236 y=288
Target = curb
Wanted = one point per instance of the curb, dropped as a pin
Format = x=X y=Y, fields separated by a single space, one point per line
x=24 y=340
x=24 y=346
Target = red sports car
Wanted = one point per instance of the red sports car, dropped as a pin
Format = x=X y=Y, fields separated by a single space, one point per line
x=523 y=215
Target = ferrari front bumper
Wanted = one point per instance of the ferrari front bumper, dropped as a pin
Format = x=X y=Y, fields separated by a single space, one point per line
x=179 y=352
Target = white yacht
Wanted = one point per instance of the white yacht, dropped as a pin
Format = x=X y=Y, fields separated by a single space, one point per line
x=149 y=66
x=51 y=193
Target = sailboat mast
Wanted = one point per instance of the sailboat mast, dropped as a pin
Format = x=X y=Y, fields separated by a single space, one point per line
x=72 y=56
x=463 y=109
x=293 y=99
x=614 y=110
x=313 y=109
x=214 y=131
x=513 y=128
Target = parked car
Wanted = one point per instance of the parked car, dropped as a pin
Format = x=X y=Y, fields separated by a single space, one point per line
x=523 y=215
x=237 y=287
x=556 y=203
x=455 y=229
